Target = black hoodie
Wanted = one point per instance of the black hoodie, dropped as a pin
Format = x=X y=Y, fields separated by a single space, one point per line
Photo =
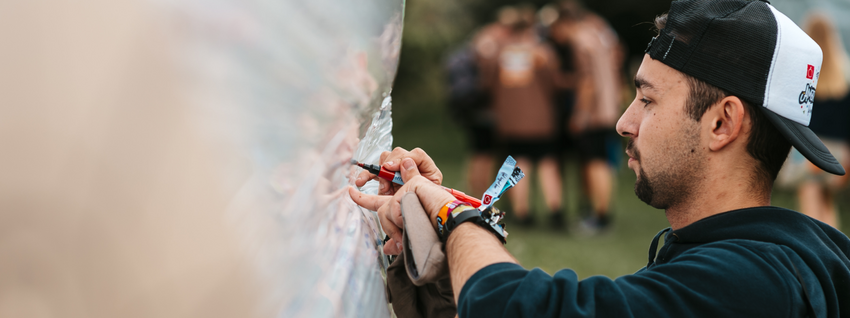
x=756 y=262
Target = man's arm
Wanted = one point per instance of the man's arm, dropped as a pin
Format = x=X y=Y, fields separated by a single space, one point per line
x=471 y=248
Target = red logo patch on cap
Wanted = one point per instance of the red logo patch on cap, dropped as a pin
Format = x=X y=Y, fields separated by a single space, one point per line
x=810 y=72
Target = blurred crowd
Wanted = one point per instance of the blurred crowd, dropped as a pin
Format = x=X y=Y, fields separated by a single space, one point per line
x=540 y=84
x=535 y=84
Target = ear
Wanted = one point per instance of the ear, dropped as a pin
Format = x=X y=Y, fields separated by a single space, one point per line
x=725 y=121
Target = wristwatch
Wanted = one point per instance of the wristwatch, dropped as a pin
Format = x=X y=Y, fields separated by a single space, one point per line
x=457 y=212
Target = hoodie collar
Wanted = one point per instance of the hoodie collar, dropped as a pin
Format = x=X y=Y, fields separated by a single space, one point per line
x=766 y=223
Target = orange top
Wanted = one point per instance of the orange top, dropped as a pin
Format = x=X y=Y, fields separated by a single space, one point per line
x=521 y=73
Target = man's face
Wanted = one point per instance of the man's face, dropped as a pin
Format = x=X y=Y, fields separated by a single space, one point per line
x=664 y=149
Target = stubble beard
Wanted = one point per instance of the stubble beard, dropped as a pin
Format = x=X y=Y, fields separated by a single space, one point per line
x=643 y=187
x=675 y=180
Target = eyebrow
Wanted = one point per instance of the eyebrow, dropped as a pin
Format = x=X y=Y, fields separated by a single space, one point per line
x=642 y=83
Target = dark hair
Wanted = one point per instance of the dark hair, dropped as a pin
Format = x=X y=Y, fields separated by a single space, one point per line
x=766 y=143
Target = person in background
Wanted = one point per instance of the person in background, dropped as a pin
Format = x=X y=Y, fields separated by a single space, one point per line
x=597 y=56
x=520 y=72
x=816 y=188
x=469 y=106
x=565 y=95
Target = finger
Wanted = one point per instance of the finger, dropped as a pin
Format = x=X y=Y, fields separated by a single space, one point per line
x=384 y=156
x=408 y=169
x=426 y=165
x=390 y=228
x=394 y=214
x=391 y=247
x=385 y=187
x=394 y=158
x=368 y=201
x=363 y=177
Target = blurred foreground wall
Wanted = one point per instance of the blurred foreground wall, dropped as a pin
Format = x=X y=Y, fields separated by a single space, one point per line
x=182 y=158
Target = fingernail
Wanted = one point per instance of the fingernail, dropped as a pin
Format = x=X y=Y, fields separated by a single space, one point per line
x=408 y=164
x=399 y=246
x=358 y=178
x=381 y=186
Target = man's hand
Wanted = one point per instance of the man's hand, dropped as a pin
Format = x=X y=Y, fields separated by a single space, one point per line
x=392 y=162
x=432 y=196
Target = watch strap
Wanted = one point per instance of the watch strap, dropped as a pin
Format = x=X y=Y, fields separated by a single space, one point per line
x=476 y=216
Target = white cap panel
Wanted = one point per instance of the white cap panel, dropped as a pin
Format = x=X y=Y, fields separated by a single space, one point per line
x=794 y=72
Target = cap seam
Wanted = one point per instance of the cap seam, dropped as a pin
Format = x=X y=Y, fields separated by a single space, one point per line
x=669 y=47
x=772 y=61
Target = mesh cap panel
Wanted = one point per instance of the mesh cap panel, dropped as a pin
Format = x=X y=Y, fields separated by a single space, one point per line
x=724 y=43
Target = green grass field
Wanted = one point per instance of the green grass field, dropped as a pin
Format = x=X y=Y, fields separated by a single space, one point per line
x=423 y=122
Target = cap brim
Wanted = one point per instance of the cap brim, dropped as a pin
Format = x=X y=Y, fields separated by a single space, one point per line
x=806 y=142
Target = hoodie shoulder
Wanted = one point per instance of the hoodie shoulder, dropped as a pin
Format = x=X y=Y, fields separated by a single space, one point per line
x=815 y=253
x=728 y=278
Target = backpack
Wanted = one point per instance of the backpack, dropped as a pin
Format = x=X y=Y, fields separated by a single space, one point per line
x=465 y=98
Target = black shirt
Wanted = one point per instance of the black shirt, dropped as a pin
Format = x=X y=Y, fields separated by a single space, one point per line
x=831 y=118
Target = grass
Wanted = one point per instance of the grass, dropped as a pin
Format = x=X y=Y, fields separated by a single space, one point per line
x=421 y=120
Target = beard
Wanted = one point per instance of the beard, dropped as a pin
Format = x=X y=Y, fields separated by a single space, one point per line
x=674 y=180
x=643 y=187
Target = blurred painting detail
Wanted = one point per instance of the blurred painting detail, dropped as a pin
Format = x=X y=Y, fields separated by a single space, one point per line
x=188 y=158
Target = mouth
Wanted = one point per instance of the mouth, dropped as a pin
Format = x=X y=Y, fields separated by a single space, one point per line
x=633 y=154
x=630 y=150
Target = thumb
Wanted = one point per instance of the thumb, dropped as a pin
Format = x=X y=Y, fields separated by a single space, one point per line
x=408 y=169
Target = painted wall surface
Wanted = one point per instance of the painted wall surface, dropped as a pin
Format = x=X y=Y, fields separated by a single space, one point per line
x=187 y=158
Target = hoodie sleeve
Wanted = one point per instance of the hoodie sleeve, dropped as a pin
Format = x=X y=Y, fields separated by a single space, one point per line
x=716 y=280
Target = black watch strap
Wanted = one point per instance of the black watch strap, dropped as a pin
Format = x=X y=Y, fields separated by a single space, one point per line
x=473 y=215
x=468 y=215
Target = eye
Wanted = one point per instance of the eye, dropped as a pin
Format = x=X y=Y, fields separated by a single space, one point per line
x=645 y=101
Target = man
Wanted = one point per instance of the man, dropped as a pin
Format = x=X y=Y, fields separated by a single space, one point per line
x=723 y=92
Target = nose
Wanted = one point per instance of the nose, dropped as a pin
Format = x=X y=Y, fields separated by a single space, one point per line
x=628 y=124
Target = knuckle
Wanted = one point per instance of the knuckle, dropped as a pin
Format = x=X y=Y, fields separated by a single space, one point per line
x=419 y=179
x=390 y=231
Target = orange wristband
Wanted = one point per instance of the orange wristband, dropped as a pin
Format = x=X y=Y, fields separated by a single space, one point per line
x=443 y=215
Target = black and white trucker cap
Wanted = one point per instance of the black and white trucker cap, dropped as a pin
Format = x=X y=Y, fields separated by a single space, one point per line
x=752 y=51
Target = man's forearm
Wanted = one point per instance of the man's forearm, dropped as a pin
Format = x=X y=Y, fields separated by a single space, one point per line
x=471 y=248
